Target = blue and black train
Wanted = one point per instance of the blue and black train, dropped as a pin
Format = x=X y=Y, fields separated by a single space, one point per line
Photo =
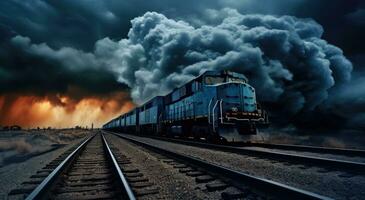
x=217 y=106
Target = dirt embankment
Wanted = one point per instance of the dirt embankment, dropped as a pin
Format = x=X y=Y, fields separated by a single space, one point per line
x=18 y=146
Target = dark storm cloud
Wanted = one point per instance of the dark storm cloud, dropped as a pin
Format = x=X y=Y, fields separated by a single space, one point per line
x=349 y=101
x=284 y=58
x=37 y=69
x=80 y=23
x=48 y=46
x=357 y=17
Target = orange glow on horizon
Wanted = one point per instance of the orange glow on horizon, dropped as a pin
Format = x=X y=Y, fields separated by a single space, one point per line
x=31 y=111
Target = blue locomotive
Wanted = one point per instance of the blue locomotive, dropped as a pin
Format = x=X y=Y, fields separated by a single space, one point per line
x=217 y=106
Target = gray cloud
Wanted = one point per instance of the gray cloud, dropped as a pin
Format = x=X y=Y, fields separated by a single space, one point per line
x=294 y=70
x=357 y=17
x=40 y=70
x=81 y=23
x=272 y=51
x=284 y=57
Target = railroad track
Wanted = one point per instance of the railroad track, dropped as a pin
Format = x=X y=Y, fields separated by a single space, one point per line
x=302 y=148
x=331 y=164
x=90 y=171
x=269 y=189
x=336 y=151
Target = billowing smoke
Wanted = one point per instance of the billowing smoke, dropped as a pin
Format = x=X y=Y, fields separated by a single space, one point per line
x=284 y=58
x=299 y=77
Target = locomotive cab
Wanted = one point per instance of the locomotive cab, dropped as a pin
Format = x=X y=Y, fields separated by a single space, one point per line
x=233 y=108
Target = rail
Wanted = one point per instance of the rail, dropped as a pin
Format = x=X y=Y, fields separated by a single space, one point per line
x=338 y=151
x=45 y=184
x=127 y=189
x=326 y=162
x=275 y=188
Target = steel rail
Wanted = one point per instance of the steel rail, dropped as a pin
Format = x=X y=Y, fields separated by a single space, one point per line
x=337 y=151
x=305 y=148
x=45 y=184
x=275 y=188
x=357 y=167
x=126 y=188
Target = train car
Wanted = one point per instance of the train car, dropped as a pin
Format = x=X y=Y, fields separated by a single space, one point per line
x=132 y=121
x=217 y=105
x=112 y=125
x=121 y=128
x=150 y=116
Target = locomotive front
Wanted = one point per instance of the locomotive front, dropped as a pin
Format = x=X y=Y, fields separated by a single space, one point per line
x=234 y=112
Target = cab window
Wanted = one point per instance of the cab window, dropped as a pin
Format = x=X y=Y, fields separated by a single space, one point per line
x=196 y=86
x=212 y=80
x=231 y=79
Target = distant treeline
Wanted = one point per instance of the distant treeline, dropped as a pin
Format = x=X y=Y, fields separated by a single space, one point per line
x=17 y=128
x=11 y=128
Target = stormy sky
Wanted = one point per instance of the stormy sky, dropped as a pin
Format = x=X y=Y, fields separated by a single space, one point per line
x=70 y=53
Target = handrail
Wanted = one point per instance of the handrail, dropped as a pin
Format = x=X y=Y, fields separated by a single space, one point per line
x=221 y=109
x=209 y=110
x=213 y=110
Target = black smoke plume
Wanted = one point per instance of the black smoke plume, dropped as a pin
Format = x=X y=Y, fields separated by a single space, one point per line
x=296 y=73
x=299 y=77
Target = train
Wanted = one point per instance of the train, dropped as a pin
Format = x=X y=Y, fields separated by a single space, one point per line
x=217 y=106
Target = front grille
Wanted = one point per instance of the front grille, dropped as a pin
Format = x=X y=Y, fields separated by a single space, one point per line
x=243 y=114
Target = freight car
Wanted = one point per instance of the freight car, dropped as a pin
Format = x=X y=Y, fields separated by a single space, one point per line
x=217 y=106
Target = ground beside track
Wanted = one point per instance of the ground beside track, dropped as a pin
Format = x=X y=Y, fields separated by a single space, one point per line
x=12 y=175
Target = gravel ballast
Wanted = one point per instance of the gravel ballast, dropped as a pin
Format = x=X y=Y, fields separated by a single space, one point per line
x=171 y=183
x=335 y=184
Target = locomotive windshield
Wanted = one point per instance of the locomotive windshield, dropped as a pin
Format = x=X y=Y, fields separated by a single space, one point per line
x=239 y=80
x=212 y=80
